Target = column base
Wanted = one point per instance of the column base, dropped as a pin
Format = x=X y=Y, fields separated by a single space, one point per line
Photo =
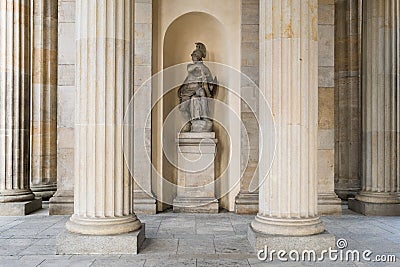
x=345 y=194
x=287 y=227
x=374 y=209
x=20 y=208
x=144 y=204
x=329 y=204
x=103 y=226
x=44 y=191
x=378 y=197
x=62 y=203
x=317 y=242
x=196 y=205
x=16 y=195
x=76 y=244
x=246 y=203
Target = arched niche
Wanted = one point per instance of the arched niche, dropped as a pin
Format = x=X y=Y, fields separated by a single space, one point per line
x=185 y=31
x=179 y=42
x=176 y=29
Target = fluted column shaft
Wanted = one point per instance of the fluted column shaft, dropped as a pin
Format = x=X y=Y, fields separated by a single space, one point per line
x=44 y=98
x=103 y=185
x=289 y=80
x=381 y=102
x=347 y=99
x=14 y=100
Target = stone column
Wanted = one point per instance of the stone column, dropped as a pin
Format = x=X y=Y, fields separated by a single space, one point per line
x=380 y=194
x=289 y=80
x=347 y=99
x=16 y=198
x=103 y=220
x=44 y=99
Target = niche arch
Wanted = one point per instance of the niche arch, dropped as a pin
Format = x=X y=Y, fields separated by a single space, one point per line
x=176 y=28
x=182 y=34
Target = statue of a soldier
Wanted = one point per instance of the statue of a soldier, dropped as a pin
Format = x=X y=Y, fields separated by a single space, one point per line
x=194 y=93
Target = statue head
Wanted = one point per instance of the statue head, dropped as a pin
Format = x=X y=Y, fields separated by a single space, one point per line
x=202 y=48
x=197 y=56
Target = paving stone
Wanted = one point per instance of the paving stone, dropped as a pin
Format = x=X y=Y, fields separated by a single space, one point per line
x=46 y=241
x=222 y=263
x=241 y=229
x=18 y=242
x=170 y=262
x=233 y=245
x=254 y=262
x=163 y=235
x=66 y=263
x=159 y=246
x=39 y=250
x=193 y=236
x=118 y=263
x=11 y=250
x=45 y=257
x=96 y=257
x=24 y=233
x=16 y=257
x=21 y=263
x=173 y=231
x=9 y=224
x=196 y=246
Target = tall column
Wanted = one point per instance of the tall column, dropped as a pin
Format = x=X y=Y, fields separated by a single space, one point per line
x=380 y=194
x=44 y=99
x=347 y=99
x=15 y=109
x=103 y=184
x=289 y=81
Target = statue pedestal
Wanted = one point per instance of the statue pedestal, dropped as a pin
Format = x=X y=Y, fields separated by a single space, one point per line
x=196 y=192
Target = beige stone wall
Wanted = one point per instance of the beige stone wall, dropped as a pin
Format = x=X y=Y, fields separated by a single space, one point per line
x=66 y=94
x=143 y=194
x=247 y=200
x=250 y=67
x=327 y=199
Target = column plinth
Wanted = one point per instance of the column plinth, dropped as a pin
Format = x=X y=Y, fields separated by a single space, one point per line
x=62 y=203
x=380 y=192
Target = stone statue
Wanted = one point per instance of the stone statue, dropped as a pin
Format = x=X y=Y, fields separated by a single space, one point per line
x=195 y=92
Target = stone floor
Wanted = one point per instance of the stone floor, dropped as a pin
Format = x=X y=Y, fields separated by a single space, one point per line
x=187 y=240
